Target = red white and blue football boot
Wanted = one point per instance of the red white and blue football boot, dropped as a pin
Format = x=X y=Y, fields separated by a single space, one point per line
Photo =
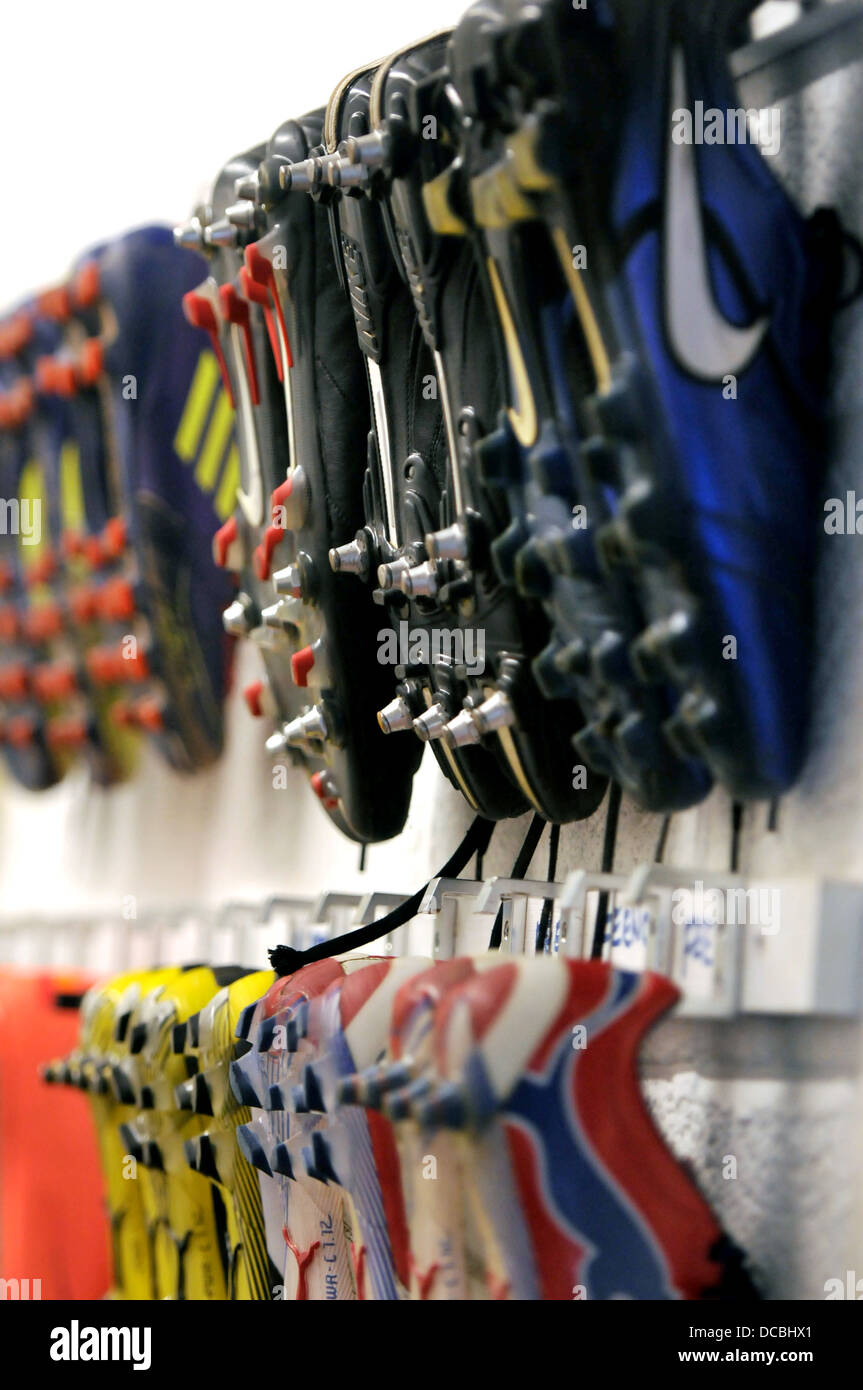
x=309 y=1224
x=540 y=1056
x=349 y=1026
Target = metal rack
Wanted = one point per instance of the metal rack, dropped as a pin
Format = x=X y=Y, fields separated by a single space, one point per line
x=733 y=946
x=821 y=42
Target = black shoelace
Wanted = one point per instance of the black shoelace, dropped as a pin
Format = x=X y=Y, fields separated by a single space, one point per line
x=285 y=960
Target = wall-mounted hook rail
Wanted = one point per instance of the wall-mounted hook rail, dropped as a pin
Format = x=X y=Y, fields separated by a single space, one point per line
x=450 y=905
x=733 y=944
x=819 y=43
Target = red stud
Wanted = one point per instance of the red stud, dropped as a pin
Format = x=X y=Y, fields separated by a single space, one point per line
x=301 y=664
x=136 y=668
x=91 y=362
x=149 y=713
x=201 y=314
x=123 y=714
x=114 y=538
x=261 y=271
x=15 y=334
x=54 y=377
x=102 y=666
x=21 y=730
x=273 y=536
x=72 y=544
x=42 y=569
x=259 y=294
x=55 y=303
x=85 y=287
x=117 y=600
x=16 y=405
x=321 y=786
x=44 y=623
x=108 y=666
x=83 y=603
x=66 y=732
x=223 y=540
x=13 y=681
x=252 y=696
x=55 y=682
x=236 y=310
x=279 y=498
x=93 y=552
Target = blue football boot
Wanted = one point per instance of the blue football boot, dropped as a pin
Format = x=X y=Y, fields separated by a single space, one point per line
x=23 y=551
x=79 y=714
x=163 y=423
x=694 y=335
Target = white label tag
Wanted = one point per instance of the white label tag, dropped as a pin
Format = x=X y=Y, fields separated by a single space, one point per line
x=698 y=938
x=627 y=935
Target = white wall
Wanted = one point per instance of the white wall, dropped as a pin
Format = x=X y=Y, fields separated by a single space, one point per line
x=116 y=114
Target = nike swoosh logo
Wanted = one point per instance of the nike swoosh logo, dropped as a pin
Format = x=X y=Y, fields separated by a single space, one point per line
x=522 y=415
x=704 y=341
x=252 y=502
x=282 y=316
x=385 y=453
x=458 y=490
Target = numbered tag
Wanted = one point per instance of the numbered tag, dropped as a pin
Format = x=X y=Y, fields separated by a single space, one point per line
x=704 y=954
x=627 y=937
x=699 y=941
